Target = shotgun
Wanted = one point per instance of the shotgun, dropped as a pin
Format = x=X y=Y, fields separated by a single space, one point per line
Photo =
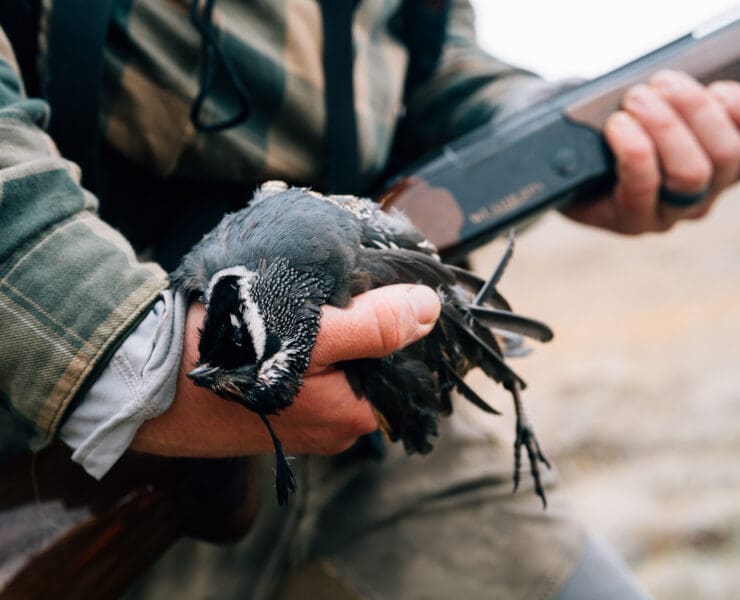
x=505 y=173
x=65 y=535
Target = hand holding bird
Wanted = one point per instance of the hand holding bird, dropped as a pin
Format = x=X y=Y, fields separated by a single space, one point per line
x=326 y=417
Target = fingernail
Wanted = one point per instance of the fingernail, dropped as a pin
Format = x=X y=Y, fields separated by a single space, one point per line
x=724 y=91
x=621 y=120
x=425 y=304
x=669 y=81
x=639 y=96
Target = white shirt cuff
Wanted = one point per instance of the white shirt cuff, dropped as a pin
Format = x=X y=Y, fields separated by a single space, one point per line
x=138 y=384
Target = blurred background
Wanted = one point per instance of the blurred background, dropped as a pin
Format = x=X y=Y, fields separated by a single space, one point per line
x=638 y=397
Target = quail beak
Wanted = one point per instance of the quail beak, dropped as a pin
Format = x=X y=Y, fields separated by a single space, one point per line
x=203 y=375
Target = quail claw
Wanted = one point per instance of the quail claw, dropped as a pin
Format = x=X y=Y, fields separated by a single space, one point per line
x=526 y=437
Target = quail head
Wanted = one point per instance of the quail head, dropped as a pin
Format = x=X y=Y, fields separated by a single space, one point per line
x=265 y=271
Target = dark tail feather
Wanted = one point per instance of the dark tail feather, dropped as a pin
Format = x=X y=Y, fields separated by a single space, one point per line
x=491 y=362
x=513 y=343
x=366 y=378
x=445 y=400
x=284 y=480
x=485 y=334
x=468 y=392
x=502 y=319
x=397 y=265
x=474 y=284
x=467 y=278
x=404 y=391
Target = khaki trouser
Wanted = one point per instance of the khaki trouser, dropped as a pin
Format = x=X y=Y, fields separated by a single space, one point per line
x=441 y=526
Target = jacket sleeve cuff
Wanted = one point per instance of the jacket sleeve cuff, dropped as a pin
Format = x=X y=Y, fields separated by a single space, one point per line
x=137 y=384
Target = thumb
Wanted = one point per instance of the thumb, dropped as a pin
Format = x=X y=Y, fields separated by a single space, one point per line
x=375 y=324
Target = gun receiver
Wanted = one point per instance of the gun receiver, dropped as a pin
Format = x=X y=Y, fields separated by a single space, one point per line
x=504 y=173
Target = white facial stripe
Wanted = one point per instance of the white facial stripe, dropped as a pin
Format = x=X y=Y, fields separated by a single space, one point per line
x=240 y=272
x=278 y=363
x=256 y=327
x=252 y=316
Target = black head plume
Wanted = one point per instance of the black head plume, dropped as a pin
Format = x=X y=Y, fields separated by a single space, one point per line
x=225 y=338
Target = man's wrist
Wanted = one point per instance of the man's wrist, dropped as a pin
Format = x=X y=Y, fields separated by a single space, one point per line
x=138 y=384
x=198 y=422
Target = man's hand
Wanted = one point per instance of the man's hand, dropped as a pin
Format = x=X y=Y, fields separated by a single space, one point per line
x=672 y=134
x=326 y=417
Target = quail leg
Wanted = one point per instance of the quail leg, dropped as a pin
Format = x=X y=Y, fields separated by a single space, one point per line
x=284 y=479
x=489 y=287
x=526 y=437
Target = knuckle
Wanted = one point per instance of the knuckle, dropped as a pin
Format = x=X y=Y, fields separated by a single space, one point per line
x=727 y=155
x=637 y=151
x=645 y=186
x=388 y=325
x=639 y=189
x=729 y=84
x=694 y=100
x=726 y=91
x=691 y=178
x=663 y=122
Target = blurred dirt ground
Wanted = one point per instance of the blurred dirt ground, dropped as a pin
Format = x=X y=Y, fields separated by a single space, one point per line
x=638 y=397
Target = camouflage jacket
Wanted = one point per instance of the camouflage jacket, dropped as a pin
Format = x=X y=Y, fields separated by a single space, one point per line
x=71 y=286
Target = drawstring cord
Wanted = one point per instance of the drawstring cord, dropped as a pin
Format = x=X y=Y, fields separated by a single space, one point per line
x=211 y=48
